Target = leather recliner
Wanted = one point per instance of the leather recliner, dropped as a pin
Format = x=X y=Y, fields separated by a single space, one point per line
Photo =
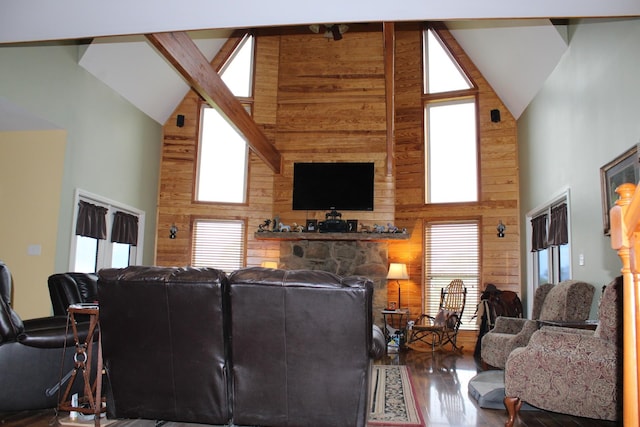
x=71 y=288
x=300 y=343
x=31 y=355
x=260 y=347
x=164 y=343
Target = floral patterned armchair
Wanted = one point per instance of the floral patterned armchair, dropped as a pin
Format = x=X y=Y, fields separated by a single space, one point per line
x=571 y=371
x=566 y=301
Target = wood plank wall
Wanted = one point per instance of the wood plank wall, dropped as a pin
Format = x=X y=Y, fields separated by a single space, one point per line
x=499 y=185
x=324 y=100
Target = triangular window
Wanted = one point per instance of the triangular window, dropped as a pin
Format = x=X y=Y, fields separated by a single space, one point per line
x=444 y=73
x=237 y=73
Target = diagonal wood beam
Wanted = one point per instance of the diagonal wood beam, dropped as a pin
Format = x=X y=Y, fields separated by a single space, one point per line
x=184 y=55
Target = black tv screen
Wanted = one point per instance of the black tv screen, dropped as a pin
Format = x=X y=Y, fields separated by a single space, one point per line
x=340 y=186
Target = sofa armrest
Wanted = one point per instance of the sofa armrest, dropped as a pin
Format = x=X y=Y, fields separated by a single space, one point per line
x=378 y=344
x=522 y=338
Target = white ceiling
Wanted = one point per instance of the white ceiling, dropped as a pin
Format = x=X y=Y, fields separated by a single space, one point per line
x=515 y=55
x=31 y=20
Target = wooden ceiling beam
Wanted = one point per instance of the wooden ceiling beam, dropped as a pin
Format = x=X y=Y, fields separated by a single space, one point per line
x=388 y=29
x=188 y=60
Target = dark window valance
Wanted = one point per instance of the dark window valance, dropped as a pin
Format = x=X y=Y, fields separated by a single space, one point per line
x=558 y=230
x=539 y=233
x=125 y=228
x=91 y=221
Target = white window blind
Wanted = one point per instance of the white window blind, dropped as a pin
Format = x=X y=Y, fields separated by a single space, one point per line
x=452 y=252
x=219 y=244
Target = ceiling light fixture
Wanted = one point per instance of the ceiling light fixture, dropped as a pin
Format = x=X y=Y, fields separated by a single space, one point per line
x=331 y=31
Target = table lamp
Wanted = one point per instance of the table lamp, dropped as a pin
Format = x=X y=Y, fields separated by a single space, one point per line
x=397 y=272
x=269 y=264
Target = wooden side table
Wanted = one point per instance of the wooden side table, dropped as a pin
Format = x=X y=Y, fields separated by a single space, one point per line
x=395 y=324
x=92 y=401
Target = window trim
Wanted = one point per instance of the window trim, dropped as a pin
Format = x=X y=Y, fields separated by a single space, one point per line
x=197 y=165
x=462 y=95
x=104 y=255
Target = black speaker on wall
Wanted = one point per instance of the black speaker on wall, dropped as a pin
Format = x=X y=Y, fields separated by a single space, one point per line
x=180 y=120
x=495 y=116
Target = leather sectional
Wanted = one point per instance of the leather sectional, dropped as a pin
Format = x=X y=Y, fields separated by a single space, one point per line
x=258 y=347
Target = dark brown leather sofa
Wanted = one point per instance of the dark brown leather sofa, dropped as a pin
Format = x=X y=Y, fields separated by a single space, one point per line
x=259 y=347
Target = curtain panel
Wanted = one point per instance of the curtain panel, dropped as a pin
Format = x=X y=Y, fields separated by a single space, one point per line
x=558 y=229
x=539 y=233
x=125 y=228
x=92 y=221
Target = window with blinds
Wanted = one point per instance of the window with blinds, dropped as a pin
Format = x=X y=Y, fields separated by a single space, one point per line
x=219 y=244
x=452 y=251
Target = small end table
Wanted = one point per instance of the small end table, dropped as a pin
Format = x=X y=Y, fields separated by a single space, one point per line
x=395 y=324
x=82 y=359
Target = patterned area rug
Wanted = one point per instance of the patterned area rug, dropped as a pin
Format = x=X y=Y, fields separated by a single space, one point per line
x=392 y=398
x=392 y=403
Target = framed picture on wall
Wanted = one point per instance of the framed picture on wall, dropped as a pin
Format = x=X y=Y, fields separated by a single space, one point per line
x=624 y=168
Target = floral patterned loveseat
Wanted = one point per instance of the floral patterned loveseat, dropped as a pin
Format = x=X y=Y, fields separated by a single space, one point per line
x=572 y=371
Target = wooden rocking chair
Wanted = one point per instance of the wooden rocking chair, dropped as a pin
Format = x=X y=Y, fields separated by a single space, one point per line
x=441 y=329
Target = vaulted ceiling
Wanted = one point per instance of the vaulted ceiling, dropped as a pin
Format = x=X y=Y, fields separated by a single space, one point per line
x=516 y=45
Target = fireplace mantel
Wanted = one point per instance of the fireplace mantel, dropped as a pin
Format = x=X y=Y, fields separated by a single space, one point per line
x=294 y=235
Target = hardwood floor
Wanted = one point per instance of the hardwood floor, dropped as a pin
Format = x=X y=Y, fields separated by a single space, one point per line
x=440 y=383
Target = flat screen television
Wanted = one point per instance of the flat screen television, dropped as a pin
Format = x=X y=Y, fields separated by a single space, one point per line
x=342 y=186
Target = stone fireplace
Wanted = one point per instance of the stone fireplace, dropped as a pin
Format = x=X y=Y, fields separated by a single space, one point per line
x=343 y=257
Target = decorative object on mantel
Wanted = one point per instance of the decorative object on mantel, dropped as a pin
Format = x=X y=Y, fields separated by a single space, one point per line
x=283 y=228
x=332 y=223
x=265 y=225
x=501 y=228
x=379 y=228
x=276 y=235
x=297 y=228
x=623 y=169
x=312 y=225
x=397 y=272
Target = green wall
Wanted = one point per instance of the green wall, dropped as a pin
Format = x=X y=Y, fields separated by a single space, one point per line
x=587 y=113
x=112 y=148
